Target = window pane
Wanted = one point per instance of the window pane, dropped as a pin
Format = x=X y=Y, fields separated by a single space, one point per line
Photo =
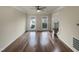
x=44 y=22
x=32 y=22
x=44 y=25
x=32 y=26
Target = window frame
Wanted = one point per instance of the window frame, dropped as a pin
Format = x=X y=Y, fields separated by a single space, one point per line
x=30 y=18
x=46 y=22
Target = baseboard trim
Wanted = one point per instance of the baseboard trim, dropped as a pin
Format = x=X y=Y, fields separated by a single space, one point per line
x=38 y=30
x=10 y=43
x=65 y=44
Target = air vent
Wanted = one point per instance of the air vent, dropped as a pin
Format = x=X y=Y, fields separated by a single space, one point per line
x=76 y=43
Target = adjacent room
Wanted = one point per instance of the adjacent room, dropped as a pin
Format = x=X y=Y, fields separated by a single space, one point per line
x=39 y=28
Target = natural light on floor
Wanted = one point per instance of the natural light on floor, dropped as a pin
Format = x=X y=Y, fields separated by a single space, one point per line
x=44 y=39
x=32 y=39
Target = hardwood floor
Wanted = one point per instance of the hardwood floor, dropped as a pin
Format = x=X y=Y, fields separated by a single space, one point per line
x=37 y=42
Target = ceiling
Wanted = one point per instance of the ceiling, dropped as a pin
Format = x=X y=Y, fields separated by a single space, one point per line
x=32 y=9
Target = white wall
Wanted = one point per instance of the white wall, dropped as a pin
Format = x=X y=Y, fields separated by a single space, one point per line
x=39 y=21
x=69 y=17
x=12 y=25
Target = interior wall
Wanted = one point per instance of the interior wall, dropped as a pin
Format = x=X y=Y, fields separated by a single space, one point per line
x=12 y=25
x=38 y=21
x=69 y=17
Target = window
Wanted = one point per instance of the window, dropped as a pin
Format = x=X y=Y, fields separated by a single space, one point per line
x=33 y=22
x=44 y=22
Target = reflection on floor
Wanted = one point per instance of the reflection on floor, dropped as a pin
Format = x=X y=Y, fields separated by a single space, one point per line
x=37 y=42
x=32 y=39
x=44 y=39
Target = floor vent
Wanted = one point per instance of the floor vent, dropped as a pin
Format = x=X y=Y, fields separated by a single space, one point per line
x=76 y=43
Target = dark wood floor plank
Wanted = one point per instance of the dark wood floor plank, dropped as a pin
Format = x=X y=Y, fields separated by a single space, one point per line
x=37 y=42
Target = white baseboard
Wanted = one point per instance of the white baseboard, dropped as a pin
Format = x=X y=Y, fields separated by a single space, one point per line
x=7 y=45
x=71 y=47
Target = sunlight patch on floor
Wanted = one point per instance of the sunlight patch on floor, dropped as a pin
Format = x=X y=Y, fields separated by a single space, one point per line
x=32 y=39
x=44 y=39
x=56 y=50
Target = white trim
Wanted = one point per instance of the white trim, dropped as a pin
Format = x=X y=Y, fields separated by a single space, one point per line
x=68 y=45
x=7 y=45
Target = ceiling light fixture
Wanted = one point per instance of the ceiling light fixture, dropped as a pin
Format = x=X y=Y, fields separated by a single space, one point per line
x=38 y=10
